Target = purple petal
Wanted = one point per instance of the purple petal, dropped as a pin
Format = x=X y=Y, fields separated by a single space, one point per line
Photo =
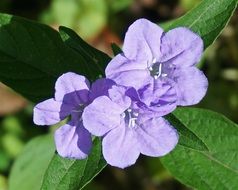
x=121 y=63
x=73 y=141
x=191 y=85
x=127 y=72
x=159 y=96
x=133 y=94
x=49 y=112
x=100 y=88
x=120 y=147
x=117 y=95
x=156 y=137
x=142 y=41
x=72 y=89
x=181 y=47
x=101 y=116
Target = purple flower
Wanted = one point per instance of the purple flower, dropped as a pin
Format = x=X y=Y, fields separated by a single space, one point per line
x=72 y=94
x=128 y=127
x=151 y=56
x=159 y=97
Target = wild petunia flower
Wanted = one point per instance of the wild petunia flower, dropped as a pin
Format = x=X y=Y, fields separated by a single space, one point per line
x=151 y=55
x=160 y=97
x=72 y=94
x=128 y=127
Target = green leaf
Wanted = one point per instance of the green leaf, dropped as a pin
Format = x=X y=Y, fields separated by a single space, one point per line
x=116 y=49
x=28 y=170
x=73 y=174
x=39 y=167
x=33 y=56
x=207 y=19
x=187 y=138
x=213 y=169
x=91 y=55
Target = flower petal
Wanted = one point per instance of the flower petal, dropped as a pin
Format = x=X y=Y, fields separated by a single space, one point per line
x=101 y=116
x=159 y=96
x=181 y=47
x=156 y=137
x=100 y=88
x=75 y=86
x=191 y=85
x=142 y=41
x=117 y=95
x=49 y=112
x=120 y=147
x=73 y=141
x=127 y=72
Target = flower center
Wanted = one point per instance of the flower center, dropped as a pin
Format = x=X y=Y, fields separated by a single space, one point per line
x=130 y=117
x=77 y=112
x=158 y=69
x=79 y=109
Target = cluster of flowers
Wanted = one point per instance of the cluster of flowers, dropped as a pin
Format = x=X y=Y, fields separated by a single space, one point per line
x=155 y=73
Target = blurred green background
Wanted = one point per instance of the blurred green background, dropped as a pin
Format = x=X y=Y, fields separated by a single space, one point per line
x=101 y=22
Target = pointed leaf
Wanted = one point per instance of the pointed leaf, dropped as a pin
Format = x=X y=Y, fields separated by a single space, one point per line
x=29 y=168
x=73 y=174
x=187 y=138
x=116 y=49
x=207 y=19
x=33 y=56
x=213 y=169
x=94 y=57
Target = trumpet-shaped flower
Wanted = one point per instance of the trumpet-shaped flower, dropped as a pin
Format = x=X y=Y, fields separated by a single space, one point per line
x=128 y=127
x=151 y=55
x=72 y=94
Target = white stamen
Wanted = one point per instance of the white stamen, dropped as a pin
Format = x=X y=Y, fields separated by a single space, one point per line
x=123 y=115
x=130 y=116
x=132 y=122
x=160 y=70
x=154 y=60
x=164 y=75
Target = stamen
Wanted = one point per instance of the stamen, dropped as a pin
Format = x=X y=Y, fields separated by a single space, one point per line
x=160 y=70
x=154 y=60
x=123 y=115
x=132 y=122
x=130 y=117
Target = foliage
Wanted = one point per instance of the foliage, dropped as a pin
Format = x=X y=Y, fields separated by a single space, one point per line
x=215 y=168
x=33 y=55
